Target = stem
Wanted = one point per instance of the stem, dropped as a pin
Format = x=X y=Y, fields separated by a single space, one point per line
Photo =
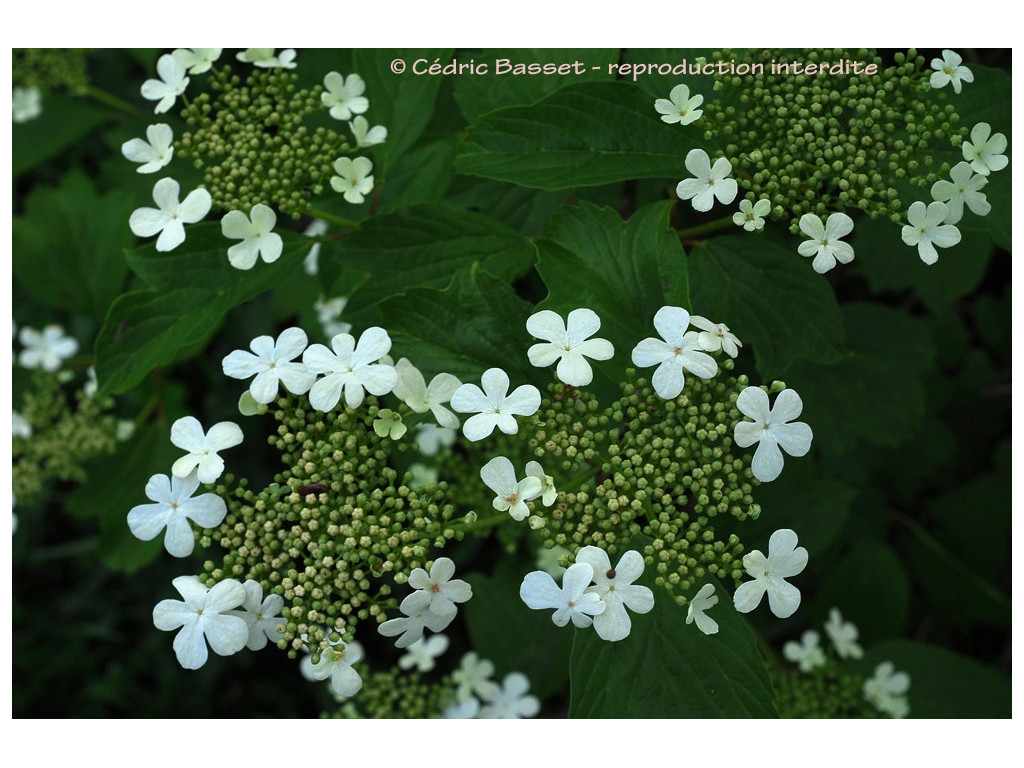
x=705 y=229
x=330 y=217
x=113 y=101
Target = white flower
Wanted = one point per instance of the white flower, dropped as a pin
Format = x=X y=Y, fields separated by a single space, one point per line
x=354 y=179
x=701 y=602
x=364 y=135
x=462 y=710
x=807 y=653
x=203 y=619
x=422 y=653
x=710 y=182
x=174 y=507
x=675 y=352
x=413 y=390
x=568 y=343
x=887 y=690
x=949 y=69
x=351 y=368
x=570 y=601
x=926 y=230
x=771 y=429
x=964 y=188
x=170 y=216
x=679 y=107
x=187 y=434
x=272 y=364
x=511 y=701
x=985 y=151
x=436 y=592
x=47 y=349
x=328 y=311
x=125 y=429
x=751 y=215
x=493 y=406
x=430 y=438
x=411 y=626
x=169 y=87
x=197 y=60
x=715 y=336
x=511 y=495
x=260 y=615
x=264 y=57
x=344 y=96
x=547 y=493
x=92 y=384
x=474 y=677
x=258 y=239
x=616 y=590
x=843 y=636
x=20 y=426
x=26 y=104
x=825 y=245
x=785 y=559
x=311 y=264
x=336 y=663
x=389 y=424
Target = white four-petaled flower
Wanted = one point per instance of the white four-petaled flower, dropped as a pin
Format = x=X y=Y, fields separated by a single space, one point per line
x=154 y=152
x=203 y=618
x=825 y=245
x=569 y=343
x=616 y=590
x=169 y=87
x=350 y=368
x=511 y=700
x=772 y=427
x=170 y=216
x=413 y=390
x=493 y=406
x=473 y=677
x=336 y=663
x=887 y=690
x=548 y=493
x=511 y=495
x=785 y=559
x=843 y=635
x=709 y=182
x=436 y=592
x=26 y=104
x=680 y=107
x=174 y=506
x=702 y=601
x=354 y=179
x=364 y=135
x=261 y=616
x=571 y=601
x=674 y=353
x=422 y=653
x=926 y=230
x=965 y=188
x=715 y=336
x=950 y=69
x=807 y=653
x=197 y=60
x=344 y=96
x=265 y=58
x=410 y=626
x=46 y=349
x=985 y=150
x=257 y=236
x=751 y=215
x=187 y=433
x=272 y=363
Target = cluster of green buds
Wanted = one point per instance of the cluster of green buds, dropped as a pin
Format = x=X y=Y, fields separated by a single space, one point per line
x=828 y=692
x=396 y=694
x=335 y=529
x=814 y=144
x=50 y=69
x=251 y=139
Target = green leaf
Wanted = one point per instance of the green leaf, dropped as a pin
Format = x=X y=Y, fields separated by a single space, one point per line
x=537 y=648
x=421 y=247
x=581 y=135
x=479 y=94
x=770 y=298
x=421 y=175
x=69 y=246
x=878 y=393
x=190 y=290
x=624 y=270
x=476 y=323
x=942 y=683
x=64 y=122
x=403 y=102
x=667 y=668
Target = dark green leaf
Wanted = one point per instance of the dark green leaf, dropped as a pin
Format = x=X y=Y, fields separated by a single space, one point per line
x=64 y=121
x=870 y=587
x=581 y=135
x=770 y=298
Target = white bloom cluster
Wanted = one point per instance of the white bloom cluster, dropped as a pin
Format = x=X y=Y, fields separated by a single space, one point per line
x=343 y=97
